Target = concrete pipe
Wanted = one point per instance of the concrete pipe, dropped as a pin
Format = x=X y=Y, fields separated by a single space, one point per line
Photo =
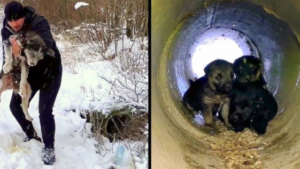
x=268 y=29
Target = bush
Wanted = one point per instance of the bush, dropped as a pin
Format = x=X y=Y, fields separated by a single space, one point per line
x=114 y=14
x=120 y=124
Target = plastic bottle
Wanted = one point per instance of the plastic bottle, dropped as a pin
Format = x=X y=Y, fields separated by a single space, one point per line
x=119 y=155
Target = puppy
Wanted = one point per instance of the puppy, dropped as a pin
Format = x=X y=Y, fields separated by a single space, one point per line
x=211 y=90
x=248 y=70
x=15 y=68
x=252 y=107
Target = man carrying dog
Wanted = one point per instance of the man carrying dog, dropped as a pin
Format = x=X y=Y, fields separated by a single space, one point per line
x=44 y=77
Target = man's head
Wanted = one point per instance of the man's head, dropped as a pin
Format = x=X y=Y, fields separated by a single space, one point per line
x=15 y=15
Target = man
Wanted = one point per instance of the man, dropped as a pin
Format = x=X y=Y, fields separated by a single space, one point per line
x=44 y=77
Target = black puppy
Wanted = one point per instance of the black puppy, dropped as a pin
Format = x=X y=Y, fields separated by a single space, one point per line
x=252 y=106
x=248 y=71
x=211 y=90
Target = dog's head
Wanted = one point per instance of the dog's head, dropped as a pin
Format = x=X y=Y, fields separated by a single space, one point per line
x=246 y=103
x=240 y=113
x=33 y=46
x=241 y=110
x=247 y=69
x=33 y=56
x=220 y=75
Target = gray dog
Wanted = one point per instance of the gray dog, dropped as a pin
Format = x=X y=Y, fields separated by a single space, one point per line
x=15 y=68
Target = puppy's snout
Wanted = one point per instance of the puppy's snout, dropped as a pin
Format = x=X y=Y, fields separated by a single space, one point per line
x=248 y=78
x=237 y=117
x=31 y=64
x=228 y=86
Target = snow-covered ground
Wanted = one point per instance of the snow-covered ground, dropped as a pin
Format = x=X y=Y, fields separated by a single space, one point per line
x=81 y=89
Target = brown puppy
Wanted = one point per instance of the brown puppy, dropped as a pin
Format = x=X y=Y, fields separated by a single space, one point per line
x=211 y=90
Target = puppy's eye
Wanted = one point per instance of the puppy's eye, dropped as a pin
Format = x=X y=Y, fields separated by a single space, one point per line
x=253 y=69
x=218 y=76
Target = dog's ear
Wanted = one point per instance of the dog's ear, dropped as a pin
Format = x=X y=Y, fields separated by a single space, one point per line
x=260 y=64
x=49 y=52
x=232 y=66
x=27 y=41
x=207 y=68
x=255 y=60
x=191 y=82
x=237 y=62
x=258 y=61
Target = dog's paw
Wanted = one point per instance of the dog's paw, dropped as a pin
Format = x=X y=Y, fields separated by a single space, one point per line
x=22 y=93
x=22 y=58
x=29 y=118
x=229 y=127
x=238 y=129
x=6 y=68
x=260 y=129
x=214 y=131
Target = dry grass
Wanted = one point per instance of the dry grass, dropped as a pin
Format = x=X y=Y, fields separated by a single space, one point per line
x=104 y=20
x=63 y=13
x=239 y=150
x=119 y=125
x=135 y=131
x=126 y=128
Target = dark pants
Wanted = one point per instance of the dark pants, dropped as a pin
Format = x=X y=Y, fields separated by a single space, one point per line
x=46 y=103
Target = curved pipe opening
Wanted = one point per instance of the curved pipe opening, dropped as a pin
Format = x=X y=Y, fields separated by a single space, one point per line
x=215 y=43
x=179 y=143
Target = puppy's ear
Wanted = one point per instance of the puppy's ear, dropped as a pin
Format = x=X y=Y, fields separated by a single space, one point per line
x=232 y=66
x=49 y=52
x=191 y=82
x=207 y=68
x=27 y=41
x=257 y=61
x=237 y=61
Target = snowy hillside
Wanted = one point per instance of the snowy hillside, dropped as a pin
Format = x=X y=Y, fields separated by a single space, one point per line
x=86 y=85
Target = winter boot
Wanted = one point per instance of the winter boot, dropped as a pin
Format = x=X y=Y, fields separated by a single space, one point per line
x=48 y=156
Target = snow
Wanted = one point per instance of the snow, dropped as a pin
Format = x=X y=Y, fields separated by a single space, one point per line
x=80 y=4
x=81 y=89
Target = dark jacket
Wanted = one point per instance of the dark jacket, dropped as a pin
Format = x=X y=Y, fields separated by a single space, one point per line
x=47 y=69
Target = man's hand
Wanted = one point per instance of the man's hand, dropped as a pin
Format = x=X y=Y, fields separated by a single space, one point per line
x=16 y=49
